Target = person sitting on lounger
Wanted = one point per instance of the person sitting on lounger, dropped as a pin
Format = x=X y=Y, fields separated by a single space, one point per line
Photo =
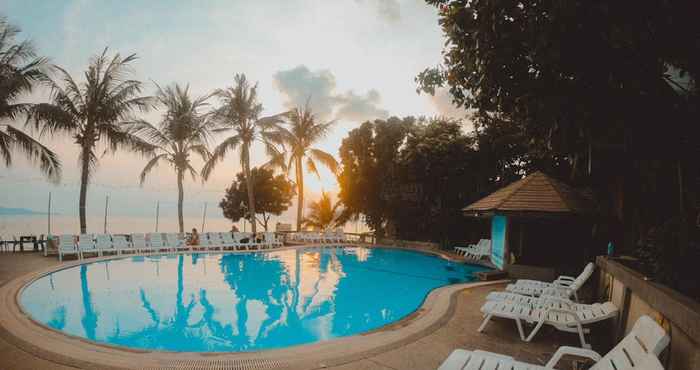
x=194 y=239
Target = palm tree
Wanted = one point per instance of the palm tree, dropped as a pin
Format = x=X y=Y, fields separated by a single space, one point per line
x=324 y=214
x=184 y=129
x=298 y=135
x=20 y=69
x=240 y=113
x=95 y=112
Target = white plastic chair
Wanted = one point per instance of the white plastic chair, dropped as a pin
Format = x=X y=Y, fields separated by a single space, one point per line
x=564 y=286
x=639 y=350
x=175 y=241
x=155 y=242
x=120 y=244
x=211 y=241
x=138 y=243
x=564 y=319
x=103 y=244
x=86 y=244
x=66 y=245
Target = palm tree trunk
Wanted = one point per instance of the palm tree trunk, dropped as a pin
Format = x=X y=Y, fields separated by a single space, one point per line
x=251 y=192
x=84 y=175
x=180 y=198
x=300 y=192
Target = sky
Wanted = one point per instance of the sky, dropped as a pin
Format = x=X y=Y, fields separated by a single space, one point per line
x=355 y=60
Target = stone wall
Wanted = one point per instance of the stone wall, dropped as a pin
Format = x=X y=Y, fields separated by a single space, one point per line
x=636 y=295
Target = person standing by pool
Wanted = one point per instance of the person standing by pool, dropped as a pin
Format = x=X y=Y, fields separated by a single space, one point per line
x=234 y=229
x=194 y=238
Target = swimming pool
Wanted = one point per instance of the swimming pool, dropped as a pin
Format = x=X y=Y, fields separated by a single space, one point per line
x=238 y=301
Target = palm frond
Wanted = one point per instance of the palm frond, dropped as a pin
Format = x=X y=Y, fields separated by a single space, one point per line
x=152 y=163
x=311 y=167
x=325 y=158
x=14 y=139
x=231 y=143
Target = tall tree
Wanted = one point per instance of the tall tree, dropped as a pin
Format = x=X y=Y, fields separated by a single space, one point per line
x=299 y=133
x=96 y=112
x=273 y=195
x=240 y=113
x=20 y=70
x=183 y=130
x=324 y=214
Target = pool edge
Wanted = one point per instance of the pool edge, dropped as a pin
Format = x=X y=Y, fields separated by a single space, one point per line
x=22 y=331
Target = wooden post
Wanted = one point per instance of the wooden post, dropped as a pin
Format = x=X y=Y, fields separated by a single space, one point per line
x=48 y=233
x=204 y=216
x=157 y=213
x=106 y=205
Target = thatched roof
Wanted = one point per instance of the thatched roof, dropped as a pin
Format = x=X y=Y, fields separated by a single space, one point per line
x=537 y=194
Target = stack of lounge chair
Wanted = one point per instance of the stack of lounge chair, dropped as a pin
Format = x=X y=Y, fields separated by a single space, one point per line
x=552 y=306
x=639 y=350
x=475 y=251
x=104 y=244
x=549 y=303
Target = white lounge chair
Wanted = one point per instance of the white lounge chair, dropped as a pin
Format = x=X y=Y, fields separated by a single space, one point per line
x=66 y=245
x=227 y=241
x=536 y=302
x=271 y=240
x=564 y=286
x=86 y=244
x=340 y=236
x=250 y=244
x=639 y=350
x=103 y=244
x=475 y=251
x=175 y=241
x=155 y=242
x=121 y=245
x=211 y=241
x=138 y=243
x=563 y=319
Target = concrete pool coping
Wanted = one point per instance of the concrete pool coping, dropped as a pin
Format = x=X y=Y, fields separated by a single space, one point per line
x=49 y=344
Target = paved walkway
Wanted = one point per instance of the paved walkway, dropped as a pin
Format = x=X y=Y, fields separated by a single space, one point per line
x=423 y=354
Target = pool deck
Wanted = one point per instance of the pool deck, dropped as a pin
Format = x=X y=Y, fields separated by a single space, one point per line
x=447 y=321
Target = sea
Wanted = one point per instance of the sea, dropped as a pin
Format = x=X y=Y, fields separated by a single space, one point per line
x=38 y=224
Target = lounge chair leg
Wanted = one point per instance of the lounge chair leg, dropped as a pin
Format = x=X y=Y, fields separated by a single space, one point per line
x=534 y=331
x=483 y=324
x=582 y=337
x=520 y=330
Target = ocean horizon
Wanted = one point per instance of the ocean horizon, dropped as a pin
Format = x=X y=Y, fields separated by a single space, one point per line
x=37 y=224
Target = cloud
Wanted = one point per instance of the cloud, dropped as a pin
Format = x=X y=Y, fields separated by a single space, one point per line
x=360 y=108
x=389 y=10
x=442 y=102
x=300 y=85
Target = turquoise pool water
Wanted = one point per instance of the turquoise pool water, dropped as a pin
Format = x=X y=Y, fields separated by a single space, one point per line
x=238 y=302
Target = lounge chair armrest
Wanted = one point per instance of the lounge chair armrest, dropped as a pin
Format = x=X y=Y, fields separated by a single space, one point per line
x=564 y=277
x=575 y=351
x=562 y=283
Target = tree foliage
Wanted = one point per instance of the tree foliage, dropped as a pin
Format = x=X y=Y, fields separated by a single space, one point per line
x=239 y=114
x=411 y=177
x=602 y=93
x=183 y=130
x=20 y=70
x=96 y=113
x=324 y=214
x=273 y=195
x=299 y=133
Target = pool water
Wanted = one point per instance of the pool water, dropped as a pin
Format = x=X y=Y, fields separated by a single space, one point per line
x=238 y=301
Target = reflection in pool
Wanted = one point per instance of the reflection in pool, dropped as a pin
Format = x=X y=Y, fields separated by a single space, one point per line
x=238 y=302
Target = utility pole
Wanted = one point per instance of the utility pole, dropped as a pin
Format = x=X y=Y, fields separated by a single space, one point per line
x=157 y=213
x=204 y=216
x=106 y=205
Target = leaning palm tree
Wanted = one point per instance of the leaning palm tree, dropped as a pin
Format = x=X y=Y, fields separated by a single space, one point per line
x=20 y=69
x=240 y=114
x=184 y=129
x=96 y=113
x=324 y=214
x=299 y=133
